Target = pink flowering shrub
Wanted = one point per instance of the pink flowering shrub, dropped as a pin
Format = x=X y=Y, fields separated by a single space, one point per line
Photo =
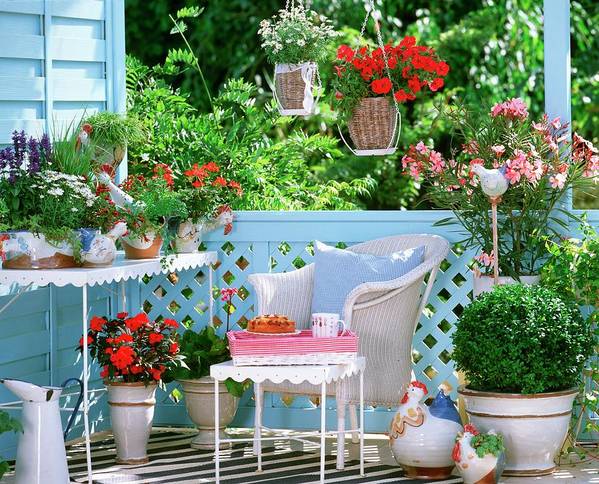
x=540 y=164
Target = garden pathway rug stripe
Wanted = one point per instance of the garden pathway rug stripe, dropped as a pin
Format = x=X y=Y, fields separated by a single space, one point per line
x=173 y=461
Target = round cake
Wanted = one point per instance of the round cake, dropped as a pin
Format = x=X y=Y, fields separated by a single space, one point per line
x=271 y=324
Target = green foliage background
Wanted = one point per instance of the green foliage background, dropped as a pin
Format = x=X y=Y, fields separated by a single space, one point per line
x=495 y=49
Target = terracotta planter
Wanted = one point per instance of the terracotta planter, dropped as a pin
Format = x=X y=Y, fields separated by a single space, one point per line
x=199 y=401
x=534 y=426
x=188 y=238
x=131 y=415
x=148 y=248
x=25 y=250
x=294 y=85
x=372 y=125
x=485 y=283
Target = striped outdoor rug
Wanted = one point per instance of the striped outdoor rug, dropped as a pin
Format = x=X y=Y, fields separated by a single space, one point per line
x=172 y=460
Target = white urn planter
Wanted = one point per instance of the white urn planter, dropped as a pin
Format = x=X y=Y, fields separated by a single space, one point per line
x=131 y=415
x=482 y=284
x=533 y=426
x=199 y=401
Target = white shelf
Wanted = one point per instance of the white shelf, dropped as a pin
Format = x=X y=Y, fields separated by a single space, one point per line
x=122 y=269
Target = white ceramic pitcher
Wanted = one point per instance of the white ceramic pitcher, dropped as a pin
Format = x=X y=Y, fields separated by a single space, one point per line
x=41 y=454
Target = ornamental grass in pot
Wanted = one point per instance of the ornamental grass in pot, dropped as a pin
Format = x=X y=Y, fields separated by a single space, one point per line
x=295 y=40
x=370 y=84
x=522 y=349
x=134 y=353
x=536 y=161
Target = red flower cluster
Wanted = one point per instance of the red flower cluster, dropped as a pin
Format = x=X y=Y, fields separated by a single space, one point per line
x=411 y=67
x=133 y=349
x=162 y=170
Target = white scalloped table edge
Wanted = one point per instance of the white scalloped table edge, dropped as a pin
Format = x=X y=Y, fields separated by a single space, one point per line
x=122 y=270
x=295 y=374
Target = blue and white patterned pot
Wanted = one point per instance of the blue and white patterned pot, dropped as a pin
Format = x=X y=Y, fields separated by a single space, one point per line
x=26 y=250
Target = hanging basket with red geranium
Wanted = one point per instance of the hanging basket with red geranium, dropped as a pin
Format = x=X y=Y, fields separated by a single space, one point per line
x=133 y=349
x=370 y=84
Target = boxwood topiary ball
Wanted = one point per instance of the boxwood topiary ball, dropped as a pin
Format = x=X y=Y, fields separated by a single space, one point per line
x=521 y=339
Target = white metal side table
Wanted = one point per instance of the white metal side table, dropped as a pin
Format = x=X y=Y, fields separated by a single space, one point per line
x=315 y=374
x=121 y=271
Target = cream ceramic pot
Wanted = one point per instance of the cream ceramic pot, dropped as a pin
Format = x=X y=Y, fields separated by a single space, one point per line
x=485 y=283
x=534 y=427
x=199 y=401
x=131 y=415
x=189 y=237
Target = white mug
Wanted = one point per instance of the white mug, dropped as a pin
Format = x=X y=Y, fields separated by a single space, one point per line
x=326 y=325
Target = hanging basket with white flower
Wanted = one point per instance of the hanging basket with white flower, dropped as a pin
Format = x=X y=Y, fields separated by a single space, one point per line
x=370 y=84
x=295 y=40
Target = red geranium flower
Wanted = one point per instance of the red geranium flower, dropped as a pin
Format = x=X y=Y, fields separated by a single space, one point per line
x=171 y=322
x=122 y=315
x=219 y=180
x=381 y=86
x=173 y=349
x=442 y=68
x=436 y=84
x=123 y=357
x=97 y=323
x=414 y=84
x=401 y=96
x=90 y=340
x=136 y=321
x=155 y=338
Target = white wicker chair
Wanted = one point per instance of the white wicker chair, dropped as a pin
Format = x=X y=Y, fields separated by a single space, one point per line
x=383 y=314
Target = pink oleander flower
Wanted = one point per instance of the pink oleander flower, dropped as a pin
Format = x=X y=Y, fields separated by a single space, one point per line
x=421 y=148
x=485 y=259
x=556 y=123
x=436 y=161
x=415 y=170
x=227 y=293
x=516 y=167
x=406 y=161
x=498 y=150
x=470 y=148
x=591 y=169
x=514 y=108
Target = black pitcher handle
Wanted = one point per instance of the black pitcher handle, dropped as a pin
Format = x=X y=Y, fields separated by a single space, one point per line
x=77 y=405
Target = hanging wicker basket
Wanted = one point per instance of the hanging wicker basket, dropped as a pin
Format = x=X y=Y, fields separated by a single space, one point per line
x=372 y=126
x=294 y=86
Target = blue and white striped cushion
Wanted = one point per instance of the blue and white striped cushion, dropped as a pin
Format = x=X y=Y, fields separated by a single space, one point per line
x=338 y=271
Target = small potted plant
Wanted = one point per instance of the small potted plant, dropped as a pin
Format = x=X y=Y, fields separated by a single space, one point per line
x=539 y=166
x=146 y=205
x=369 y=83
x=43 y=210
x=522 y=349
x=201 y=350
x=134 y=353
x=295 y=40
x=479 y=457
x=207 y=195
x=110 y=133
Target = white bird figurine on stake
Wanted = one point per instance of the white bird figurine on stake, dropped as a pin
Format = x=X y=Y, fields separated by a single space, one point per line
x=494 y=184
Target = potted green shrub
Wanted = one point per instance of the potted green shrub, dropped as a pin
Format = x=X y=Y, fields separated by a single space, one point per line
x=201 y=350
x=110 y=133
x=522 y=349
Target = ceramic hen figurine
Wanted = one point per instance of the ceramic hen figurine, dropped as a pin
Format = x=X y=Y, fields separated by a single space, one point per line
x=422 y=437
x=493 y=182
x=479 y=457
x=99 y=250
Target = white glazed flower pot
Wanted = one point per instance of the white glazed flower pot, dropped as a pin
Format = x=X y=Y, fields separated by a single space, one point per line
x=25 y=250
x=534 y=427
x=485 y=283
x=189 y=237
x=199 y=400
x=131 y=415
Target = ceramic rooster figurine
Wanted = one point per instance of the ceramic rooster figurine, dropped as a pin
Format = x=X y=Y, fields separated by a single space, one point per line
x=494 y=184
x=99 y=250
x=119 y=197
x=422 y=437
x=479 y=457
x=83 y=136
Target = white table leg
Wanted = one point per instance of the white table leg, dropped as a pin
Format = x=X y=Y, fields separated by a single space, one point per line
x=323 y=427
x=258 y=400
x=353 y=422
x=216 y=431
x=341 y=404
x=362 y=423
x=88 y=453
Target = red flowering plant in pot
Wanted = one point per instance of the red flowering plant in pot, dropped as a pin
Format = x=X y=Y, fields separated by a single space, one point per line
x=370 y=83
x=208 y=195
x=134 y=353
x=537 y=164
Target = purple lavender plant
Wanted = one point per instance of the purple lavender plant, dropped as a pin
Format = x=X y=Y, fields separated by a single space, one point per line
x=46 y=150
x=34 y=156
x=12 y=158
